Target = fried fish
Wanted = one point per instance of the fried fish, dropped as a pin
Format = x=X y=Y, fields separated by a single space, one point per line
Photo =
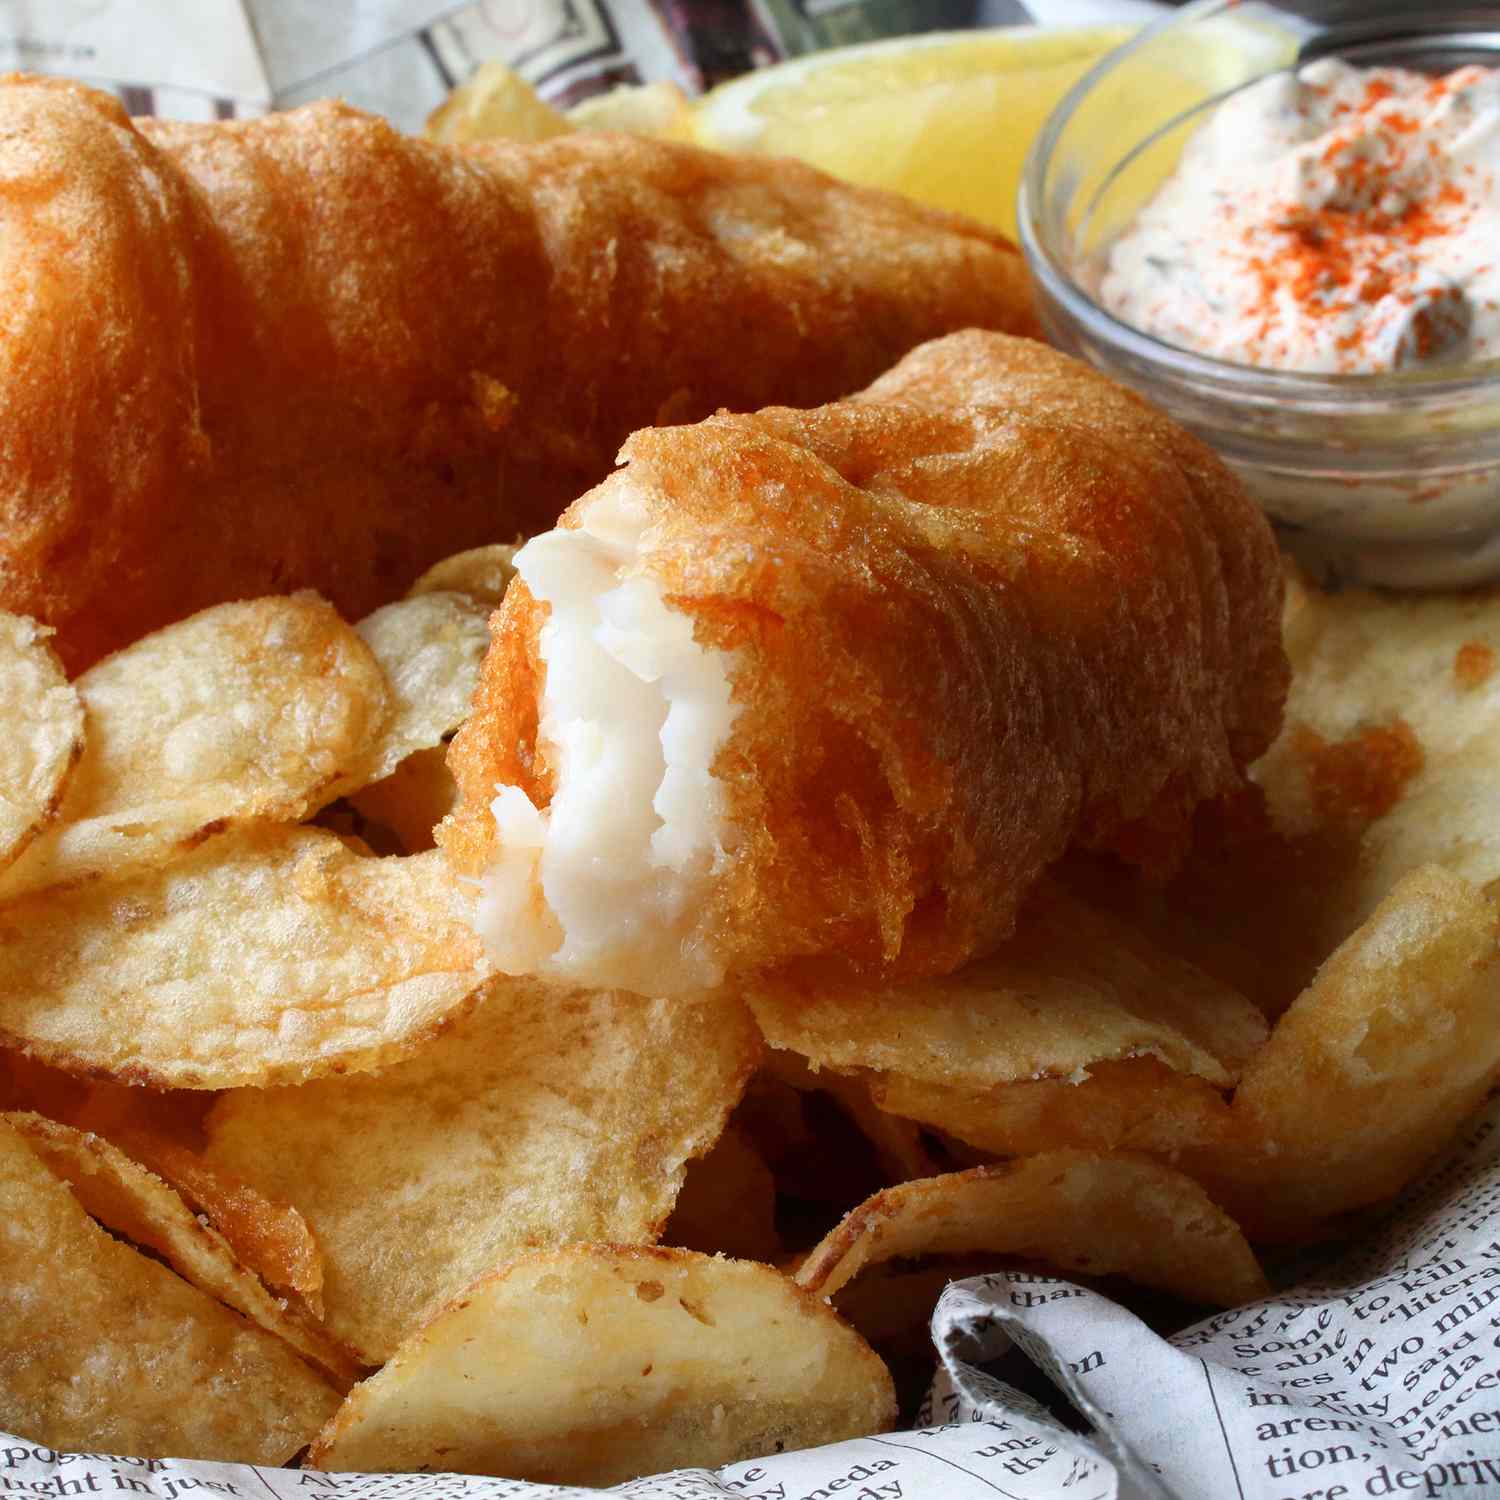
x=839 y=684
x=308 y=351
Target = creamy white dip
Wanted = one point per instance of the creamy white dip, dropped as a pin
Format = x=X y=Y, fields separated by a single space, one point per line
x=1340 y=220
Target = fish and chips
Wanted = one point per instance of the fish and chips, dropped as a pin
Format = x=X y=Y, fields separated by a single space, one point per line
x=872 y=846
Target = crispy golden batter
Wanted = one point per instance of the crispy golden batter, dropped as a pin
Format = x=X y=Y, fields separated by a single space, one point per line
x=308 y=351
x=993 y=606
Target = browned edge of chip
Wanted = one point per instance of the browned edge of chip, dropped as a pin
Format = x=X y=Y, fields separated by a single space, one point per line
x=136 y=1204
x=1079 y=1211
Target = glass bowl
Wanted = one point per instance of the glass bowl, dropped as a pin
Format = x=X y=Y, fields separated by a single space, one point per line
x=1389 y=479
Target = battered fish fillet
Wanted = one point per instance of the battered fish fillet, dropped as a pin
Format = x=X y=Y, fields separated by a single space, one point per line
x=308 y=351
x=839 y=684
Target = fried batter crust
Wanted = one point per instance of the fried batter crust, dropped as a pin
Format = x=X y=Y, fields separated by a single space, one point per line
x=994 y=606
x=307 y=350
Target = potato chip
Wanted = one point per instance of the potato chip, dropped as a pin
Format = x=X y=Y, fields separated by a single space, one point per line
x=1138 y=1104
x=244 y=712
x=267 y=1235
x=43 y=736
x=1073 y=988
x=269 y=955
x=494 y=104
x=1074 y=1210
x=1389 y=748
x=412 y=800
x=1373 y=1068
x=728 y=1203
x=108 y=1351
x=430 y=646
x=126 y=1198
x=546 y=1115
x=595 y=1363
x=483 y=573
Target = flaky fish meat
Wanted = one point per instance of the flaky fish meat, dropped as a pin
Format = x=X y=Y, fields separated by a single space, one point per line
x=837 y=685
x=308 y=351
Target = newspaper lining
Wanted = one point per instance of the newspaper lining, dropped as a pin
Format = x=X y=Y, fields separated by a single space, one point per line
x=1378 y=1375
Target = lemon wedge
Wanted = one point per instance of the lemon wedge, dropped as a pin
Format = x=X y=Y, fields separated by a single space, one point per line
x=946 y=117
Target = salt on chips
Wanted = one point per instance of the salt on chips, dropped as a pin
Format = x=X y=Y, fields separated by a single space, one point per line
x=106 y=1350
x=43 y=733
x=244 y=712
x=1078 y=1211
x=126 y=1198
x=595 y=1363
x=1372 y=1069
x=545 y=1115
x=269 y=955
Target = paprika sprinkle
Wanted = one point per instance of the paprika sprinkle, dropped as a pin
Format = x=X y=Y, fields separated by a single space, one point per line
x=1338 y=220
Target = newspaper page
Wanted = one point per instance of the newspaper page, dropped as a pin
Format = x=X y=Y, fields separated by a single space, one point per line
x=1375 y=1375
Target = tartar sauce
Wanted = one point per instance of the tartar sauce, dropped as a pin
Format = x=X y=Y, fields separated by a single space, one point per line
x=1336 y=220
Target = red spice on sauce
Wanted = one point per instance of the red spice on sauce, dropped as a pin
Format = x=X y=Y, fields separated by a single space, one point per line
x=1474 y=664
x=1332 y=221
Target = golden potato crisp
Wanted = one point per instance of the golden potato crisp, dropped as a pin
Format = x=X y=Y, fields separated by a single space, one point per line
x=1095 y=1215
x=43 y=735
x=595 y=1363
x=545 y=1115
x=123 y=1196
x=1373 y=1067
x=1074 y=987
x=1136 y=1104
x=109 y=1351
x=268 y=1236
x=244 y=712
x=1392 y=741
x=412 y=800
x=483 y=573
x=270 y=955
x=430 y=646
x=1077 y=1032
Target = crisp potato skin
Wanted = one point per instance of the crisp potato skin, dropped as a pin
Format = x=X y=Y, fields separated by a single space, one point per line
x=994 y=606
x=308 y=351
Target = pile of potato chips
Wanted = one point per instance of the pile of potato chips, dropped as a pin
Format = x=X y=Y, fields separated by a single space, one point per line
x=286 y=1172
